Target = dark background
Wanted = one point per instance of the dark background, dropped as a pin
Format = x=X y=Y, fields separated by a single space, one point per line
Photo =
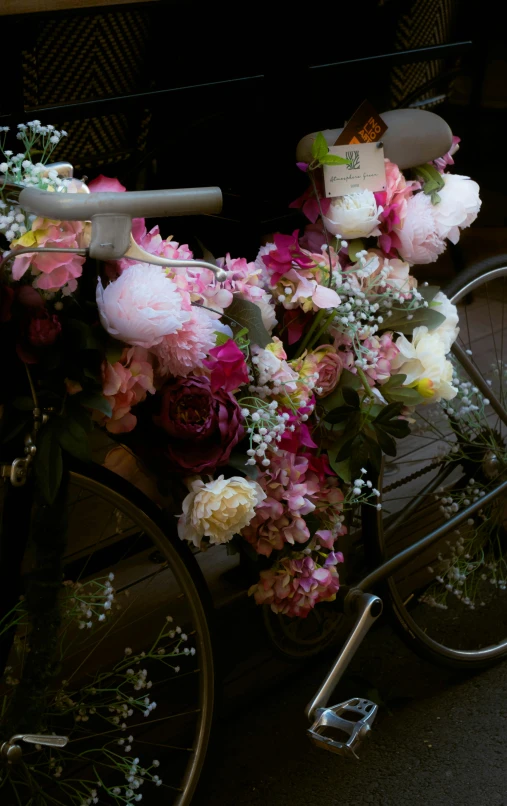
x=175 y=94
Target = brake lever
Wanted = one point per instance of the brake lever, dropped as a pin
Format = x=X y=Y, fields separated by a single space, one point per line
x=136 y=252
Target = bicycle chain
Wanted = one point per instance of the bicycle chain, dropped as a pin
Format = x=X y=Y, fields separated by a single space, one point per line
x=413 y=476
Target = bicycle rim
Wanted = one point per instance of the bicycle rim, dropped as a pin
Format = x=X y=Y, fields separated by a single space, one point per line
x=133 y=687
x=451 y=601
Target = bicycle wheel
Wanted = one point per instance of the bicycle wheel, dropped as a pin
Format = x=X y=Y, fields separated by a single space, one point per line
x=451 y=601
x=132 y=683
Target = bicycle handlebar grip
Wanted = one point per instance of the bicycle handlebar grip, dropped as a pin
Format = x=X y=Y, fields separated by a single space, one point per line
x=136 y=204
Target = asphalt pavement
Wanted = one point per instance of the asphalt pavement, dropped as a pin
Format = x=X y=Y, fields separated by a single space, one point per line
x=440 y=739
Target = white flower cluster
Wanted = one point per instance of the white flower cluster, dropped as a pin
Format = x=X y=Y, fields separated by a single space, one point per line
x=91 y=602
x=264 y=426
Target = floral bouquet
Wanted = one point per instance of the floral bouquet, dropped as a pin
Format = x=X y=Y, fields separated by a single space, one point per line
x=273 y=395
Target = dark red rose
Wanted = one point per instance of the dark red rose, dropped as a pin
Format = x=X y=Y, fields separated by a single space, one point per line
x=43 y=328
x=203 y=426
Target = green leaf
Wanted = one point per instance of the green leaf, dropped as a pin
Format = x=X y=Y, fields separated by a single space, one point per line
x=342 y=469
x=48 y=462
x=428 y=292
x=351 y=397
x=23 y=403
x=397 y=428
x=206 y=254
x=246 y=314
x=114 y=351
x=347 y=379
x=74 y=439
x=82 y=336
x=338 y=415
x=220 y=338
x=405 y=395
x=433 y=181
x=359 y=455
x=400 y=323
x=237 y=460
x=94 y=400
x=385 y=441
x=319 y=147
x=333 y=159
x=388 y=412
x=355 y=246
x=374 y=452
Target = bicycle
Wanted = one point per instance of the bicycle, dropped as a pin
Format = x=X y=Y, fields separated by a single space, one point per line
x=140 y=543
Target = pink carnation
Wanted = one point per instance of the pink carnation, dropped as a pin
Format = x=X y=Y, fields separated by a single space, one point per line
x=382 y=351
x=393 y=200
x=183 y=351
x=125 y=384
x=418 y=239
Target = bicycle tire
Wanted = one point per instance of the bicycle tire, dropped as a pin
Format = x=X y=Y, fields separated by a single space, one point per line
x=401 y=610
x=154 y=539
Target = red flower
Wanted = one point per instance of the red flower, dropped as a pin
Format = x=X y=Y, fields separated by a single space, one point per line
x=43 y=329
x=203 y=426
x=228 y=368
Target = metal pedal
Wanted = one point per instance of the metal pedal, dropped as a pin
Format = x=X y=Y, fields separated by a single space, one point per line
x=332 y=719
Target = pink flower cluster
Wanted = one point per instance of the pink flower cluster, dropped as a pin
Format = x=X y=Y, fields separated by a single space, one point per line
x=294 y=485
x=294 y=586
x=125 y=384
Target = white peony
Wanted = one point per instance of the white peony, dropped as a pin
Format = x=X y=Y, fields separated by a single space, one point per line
x=448 y=330
x=218 y=509
x=354 y=216
x=458 y=207
x=424 y=363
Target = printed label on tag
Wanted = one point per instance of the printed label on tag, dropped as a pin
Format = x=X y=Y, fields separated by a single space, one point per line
x=365 y=126
x=365 y=170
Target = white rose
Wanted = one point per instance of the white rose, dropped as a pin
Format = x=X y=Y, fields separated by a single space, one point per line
x=423 y=360
x=354 y=216
x=458 y=207
x=448 y=330
x=218 y=509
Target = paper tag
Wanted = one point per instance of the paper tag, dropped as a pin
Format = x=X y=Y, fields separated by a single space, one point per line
x=365 y=126
x=365 y=170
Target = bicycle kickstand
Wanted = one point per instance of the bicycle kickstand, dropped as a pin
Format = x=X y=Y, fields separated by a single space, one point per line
x=353 y=717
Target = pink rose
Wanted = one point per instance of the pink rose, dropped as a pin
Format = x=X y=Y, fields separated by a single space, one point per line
x=142 y=306
x=228 y=367
x=44 y=328
x=125 y=384
x=203 y=426
x=419 y=241
x=105 y=184
x=330 y=364
x=53 y=270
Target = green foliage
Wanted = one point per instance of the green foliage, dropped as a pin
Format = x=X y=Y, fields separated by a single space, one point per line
x=244 y=314
x=400 y=322
x=432 y=181
x=321 y=155
x=355 y=246
x=48 y=461
x=394 y=391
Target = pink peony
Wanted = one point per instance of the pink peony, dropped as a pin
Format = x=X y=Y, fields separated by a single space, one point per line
x=203 y=426
x=418 y=238
x=227 y=366
x=184 y=352
x=142 y=306
x=125 y=384
x=53 y=270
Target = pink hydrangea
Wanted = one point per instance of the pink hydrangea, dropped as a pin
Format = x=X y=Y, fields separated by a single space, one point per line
x=125 y=384
x=184 y=351
x=53 y=270
x=294 y=586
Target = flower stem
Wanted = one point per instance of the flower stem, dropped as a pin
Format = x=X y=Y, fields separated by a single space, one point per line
x=315 y=324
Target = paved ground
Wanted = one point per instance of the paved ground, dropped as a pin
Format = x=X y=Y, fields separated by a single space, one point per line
x=439 y=740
